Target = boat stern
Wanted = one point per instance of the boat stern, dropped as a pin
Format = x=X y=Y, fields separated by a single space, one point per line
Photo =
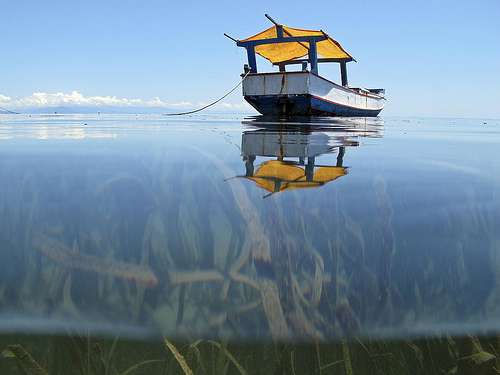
x=306 y=94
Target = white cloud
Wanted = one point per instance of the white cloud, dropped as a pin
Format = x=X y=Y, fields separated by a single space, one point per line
x=43 y=99
x=75 y=99
x=4 y=99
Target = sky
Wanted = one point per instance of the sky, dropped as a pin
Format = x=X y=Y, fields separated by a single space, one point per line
x=434 y=58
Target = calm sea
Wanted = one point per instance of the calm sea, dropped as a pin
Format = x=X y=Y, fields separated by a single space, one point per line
x=376 y=239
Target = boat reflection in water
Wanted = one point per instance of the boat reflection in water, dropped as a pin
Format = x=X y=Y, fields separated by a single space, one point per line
x=291 y=151
x=280 y=174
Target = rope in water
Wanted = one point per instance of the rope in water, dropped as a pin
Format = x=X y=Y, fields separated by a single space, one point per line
x=213 y=103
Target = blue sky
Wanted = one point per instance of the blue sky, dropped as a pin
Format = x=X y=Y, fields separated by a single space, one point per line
x=435 y=58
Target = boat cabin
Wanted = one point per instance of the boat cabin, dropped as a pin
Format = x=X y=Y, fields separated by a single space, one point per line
x=302 y=92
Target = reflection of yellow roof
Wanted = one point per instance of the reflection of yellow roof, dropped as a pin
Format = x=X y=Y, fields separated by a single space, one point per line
x=275 y=175
x=279 y=52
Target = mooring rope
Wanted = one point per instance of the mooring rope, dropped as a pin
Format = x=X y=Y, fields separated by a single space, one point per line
x=9 y=111
x=179 y=113
x=213 y=103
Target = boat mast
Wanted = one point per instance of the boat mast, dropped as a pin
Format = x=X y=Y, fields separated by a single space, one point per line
x=313 y=51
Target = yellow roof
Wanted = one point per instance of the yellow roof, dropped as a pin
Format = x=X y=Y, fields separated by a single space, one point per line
x=280 y=52
x=275 y=176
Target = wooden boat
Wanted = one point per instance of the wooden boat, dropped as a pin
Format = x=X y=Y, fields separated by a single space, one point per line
x=303 y=92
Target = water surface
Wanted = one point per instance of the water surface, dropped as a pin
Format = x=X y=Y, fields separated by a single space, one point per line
x=249 y=228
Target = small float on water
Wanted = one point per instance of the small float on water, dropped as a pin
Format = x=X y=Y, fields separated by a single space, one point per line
x=303 y=92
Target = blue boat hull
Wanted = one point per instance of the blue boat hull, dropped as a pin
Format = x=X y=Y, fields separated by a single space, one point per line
x=304 y=105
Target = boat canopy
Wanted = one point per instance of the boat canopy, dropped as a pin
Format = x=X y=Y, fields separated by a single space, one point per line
x=276 y=176
x=327 y=47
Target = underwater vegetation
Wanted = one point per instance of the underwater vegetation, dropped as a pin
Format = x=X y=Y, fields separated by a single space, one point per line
x=167 y=243
x=85 y=355
x=382 y=271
